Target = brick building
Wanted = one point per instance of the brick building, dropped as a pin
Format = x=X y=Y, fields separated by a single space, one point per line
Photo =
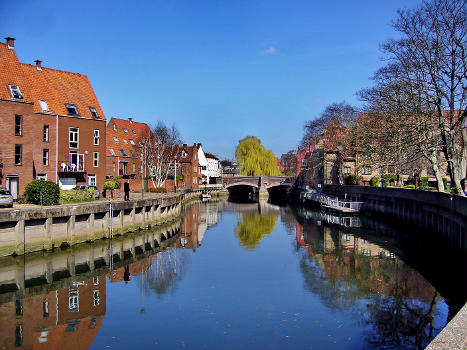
x=188 y=165
x=123 y=148
x=52 y=125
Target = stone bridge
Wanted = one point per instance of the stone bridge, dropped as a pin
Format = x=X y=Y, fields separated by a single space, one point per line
x=260 y=182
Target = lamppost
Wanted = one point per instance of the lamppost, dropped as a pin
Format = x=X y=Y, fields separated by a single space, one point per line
x=175 y=177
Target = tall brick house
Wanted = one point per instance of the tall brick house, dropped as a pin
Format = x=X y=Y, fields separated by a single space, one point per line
x=123 y=149
x=188 y=165
x=51 y=125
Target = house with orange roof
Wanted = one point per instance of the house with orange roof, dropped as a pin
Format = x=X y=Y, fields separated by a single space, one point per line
x=52 y=125
x=188 y=165
x=123 y=152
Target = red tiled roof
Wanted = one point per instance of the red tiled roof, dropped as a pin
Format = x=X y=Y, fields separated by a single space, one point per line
x=210 y=155
x=54 y=86
x=135 y=132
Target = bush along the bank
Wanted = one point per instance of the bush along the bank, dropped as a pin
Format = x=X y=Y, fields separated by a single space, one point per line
x=389 y=179
x=76 y=196
x=110 y=185
x=42 y=192
x=374 y=181
x=353 y=180
x=423 y=184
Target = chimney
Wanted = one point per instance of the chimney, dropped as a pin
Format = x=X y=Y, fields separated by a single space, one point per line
x=10 y=42
x=131 y=120
x=38 y=64
x=184 y=145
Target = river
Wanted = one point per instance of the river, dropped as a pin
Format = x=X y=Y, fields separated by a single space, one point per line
x=238 y=275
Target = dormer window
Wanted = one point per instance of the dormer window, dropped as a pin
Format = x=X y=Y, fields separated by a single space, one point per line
x=44 y=106
x=15 y=93
x=132 y=142
x=123 y=152
x=112 y=151
x=71 y=109
x=125 y=130
x=184 y=154
x=115 y=127
x=125 y=141
x=115 y=139
x=94 y=112
x=132 y=153
x=134 y=132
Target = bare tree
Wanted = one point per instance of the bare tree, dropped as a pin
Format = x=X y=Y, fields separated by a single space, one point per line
x=158 y=151
x=289 y=163
x=431 y=55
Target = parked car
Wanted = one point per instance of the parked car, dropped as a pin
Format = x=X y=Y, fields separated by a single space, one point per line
x=97 y=194
x=6 y=199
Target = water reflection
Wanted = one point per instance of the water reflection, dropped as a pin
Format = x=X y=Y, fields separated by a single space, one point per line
x=347 y=270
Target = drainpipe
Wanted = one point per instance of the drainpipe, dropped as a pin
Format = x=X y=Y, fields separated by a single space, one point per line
x=56 y=149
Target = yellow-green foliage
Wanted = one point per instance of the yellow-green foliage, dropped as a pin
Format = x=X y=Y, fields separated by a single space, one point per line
x=76 y=196
x=254 y=159
x=253 y=227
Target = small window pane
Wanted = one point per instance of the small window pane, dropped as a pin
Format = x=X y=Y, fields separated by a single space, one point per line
x=18 y=154
x=112 y=151
x=71 y=109
x=15 y=93
x=94 y=112
x=44 y=106
x=18 y=125
x=46 y=133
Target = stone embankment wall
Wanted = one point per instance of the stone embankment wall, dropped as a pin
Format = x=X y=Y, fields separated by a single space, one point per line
x=44 y=228
x=438 y=212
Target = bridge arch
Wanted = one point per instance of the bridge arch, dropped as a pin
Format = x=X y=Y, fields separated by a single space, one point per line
x=242 y=183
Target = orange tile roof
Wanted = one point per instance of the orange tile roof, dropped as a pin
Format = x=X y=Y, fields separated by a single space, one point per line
x=54 y=86
x=135 y=132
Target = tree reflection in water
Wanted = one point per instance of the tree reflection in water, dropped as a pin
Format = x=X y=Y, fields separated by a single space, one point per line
x=166 y=270
x=251 y=228
x=395 y=304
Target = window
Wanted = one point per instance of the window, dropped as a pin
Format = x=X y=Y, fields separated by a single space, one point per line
x=194 y=180
x=95 y=295
x=346 y=170
x=184 y=154
x=96 y=137
x=366 y=252
x=45 y=309
x=15 y=93
x=18 y=154
x=115 y=139
x=71 y=109
x=45 y=136
x=134 y=167
x=45 y=157
x=347 y=237
x=195 y=169
x=367 y=170
x=364 y=241
x=94 y=112
x=95 y=158
x=44 y=106
x=115 y=127
x=41 y=177
x=92 y=180
x=73 y=299
x=132 y=153
x=123 y=152
x=112 y=152
x=304 y=163
x=114 y=168
x=134 y=132
x=125 y=141
x=125 y=130
x=73 y=136
x=132 y=142
x=18 y=125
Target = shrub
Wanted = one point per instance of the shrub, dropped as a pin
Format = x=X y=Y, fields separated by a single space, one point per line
x=423 y=184
x=42 y=192
x=157 y=190
x=76 y=196
x=410 y=187
x=353 y=180
x=374 y=181
x=388 y=179
x=21 y=200
x=113 y=184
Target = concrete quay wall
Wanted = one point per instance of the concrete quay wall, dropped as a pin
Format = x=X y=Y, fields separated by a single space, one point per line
x=44 y=228
x=438 y=212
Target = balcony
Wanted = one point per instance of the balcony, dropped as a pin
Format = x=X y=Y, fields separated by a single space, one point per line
x=72 y=169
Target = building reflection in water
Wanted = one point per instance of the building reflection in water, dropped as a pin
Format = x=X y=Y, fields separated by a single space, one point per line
x=345 y=270
x=68 y=318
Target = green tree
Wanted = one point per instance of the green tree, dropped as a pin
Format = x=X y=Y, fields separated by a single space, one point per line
x=254 y=159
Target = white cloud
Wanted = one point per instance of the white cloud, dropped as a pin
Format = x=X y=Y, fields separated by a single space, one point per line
x=270 y=51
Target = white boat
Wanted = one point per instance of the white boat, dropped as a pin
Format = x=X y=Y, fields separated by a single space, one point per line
x=205 y=196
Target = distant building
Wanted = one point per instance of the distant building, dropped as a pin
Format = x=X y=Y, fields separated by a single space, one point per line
x=230 y=168
x=188 y=165
x=124 y=148
x=51 y=125
x=213 y=172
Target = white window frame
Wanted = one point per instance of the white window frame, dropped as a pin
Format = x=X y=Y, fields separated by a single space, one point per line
x=46 y=130
x=116 y=139
x=112 y=152
x=14 y=89
x=73 y=299
x=95 y=296
x=96 y=137
x=44 y=106
x=132 y=142
x=73 y=137
x=94 y=112
x=125 y=130
x=45 y=156
x=70 y=105
x=92 y=180
x=367 y=170
x=41 y=177
x=346 y=170
x=19 y=117
x=95 y=159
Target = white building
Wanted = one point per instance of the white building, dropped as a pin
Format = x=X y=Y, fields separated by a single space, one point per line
x=213 y=171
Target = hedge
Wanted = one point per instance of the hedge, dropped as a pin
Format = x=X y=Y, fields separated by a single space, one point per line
x=76 y=196
x=42 y=192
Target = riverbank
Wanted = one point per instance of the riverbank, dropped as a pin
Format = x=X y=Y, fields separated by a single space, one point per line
x=30 y=229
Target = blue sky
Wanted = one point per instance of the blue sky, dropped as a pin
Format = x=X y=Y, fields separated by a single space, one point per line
x=219 y=70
